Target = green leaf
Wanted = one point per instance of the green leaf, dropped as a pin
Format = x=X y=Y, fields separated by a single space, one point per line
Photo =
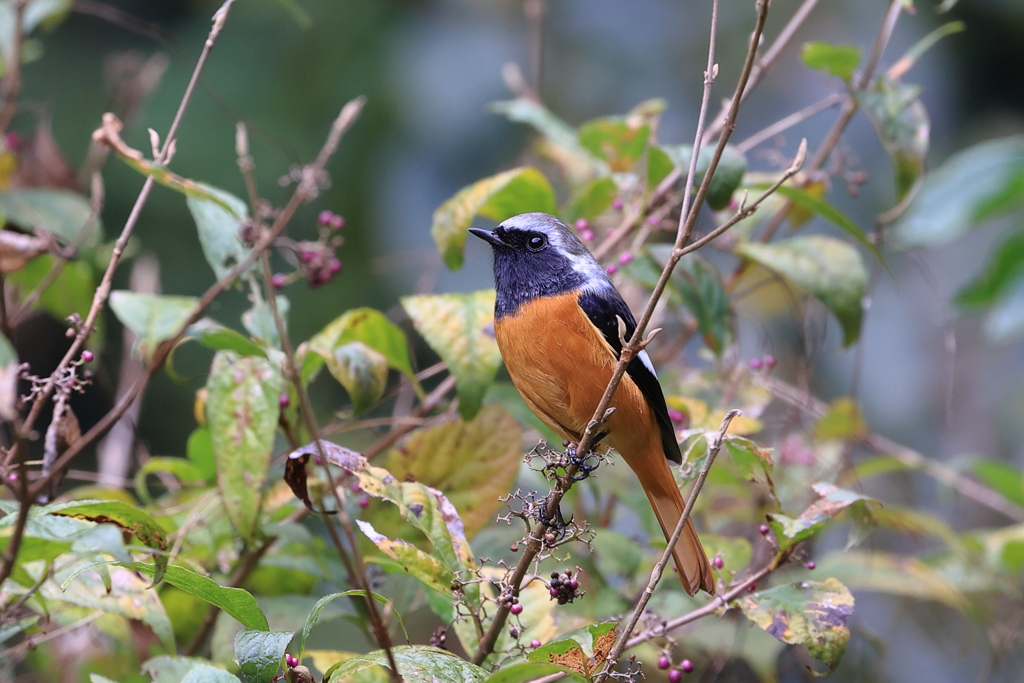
x=700 y=285
x=883 y=572
x=259 y=321
x=62 y=212
x=237 y=603
x=218 y=219
x=616 y=140
x=592 y=200
x=259 y=653
x=152 y=317
x=415 y=663
x=199 y=450
x=616 y=554
x=422 y=566
x=242 y=409
x=499 y=197
x=1005 y=267
x=215 y=336
x=813 y=203
x=751 y=461
x=838 y=60
x=827 y=268
x=810 y=613
x=524 y=672
x=473 y=463
x=172 y=669
x=204 y=673
x=7 y=353
x=362 y=371
x=128 y=596
x=973 y=185
x=1001 y=477
x=659 y=166
x=184 y=470
x=732 y=166
x=371 y=327
x=832 y=501
x=902 y=124
x=459 y=328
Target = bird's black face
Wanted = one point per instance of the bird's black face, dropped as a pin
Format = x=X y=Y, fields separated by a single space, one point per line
x=536 y=255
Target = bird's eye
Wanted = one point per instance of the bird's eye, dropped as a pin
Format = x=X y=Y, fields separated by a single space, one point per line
x=536 y=243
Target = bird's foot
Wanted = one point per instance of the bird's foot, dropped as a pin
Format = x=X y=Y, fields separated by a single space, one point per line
x=555 y=523
x=586 y=463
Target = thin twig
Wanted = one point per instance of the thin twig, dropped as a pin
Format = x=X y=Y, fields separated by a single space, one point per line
x=788 y=122
x=714 y=446
x=32 y=641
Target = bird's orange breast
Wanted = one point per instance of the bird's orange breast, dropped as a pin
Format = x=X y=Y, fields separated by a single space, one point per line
x=561 y=363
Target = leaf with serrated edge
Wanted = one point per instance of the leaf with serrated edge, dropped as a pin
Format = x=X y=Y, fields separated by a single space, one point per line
x=809 y=613
x=242 y=410
x=472 y=463
x=460 y=329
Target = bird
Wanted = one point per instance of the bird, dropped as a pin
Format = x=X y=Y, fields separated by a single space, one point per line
x=556 y=321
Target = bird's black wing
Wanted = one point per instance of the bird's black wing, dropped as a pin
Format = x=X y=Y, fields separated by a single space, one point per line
x=602 y=309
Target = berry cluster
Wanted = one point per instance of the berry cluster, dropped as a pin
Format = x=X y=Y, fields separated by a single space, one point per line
x=318 y=262
x=564 y=587
x=675 y=674
x=768 y=362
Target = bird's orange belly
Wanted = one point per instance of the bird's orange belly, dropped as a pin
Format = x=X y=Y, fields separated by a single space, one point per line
x=561 y=365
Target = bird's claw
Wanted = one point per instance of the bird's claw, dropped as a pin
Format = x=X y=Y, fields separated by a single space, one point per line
x=555 y=522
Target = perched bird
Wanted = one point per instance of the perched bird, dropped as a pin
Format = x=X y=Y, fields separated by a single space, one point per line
x=555 y=319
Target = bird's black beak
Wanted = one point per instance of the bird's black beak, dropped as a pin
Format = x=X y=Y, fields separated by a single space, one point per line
x=488 y=236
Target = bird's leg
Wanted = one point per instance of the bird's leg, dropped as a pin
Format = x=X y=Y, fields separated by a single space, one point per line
x=586 y=463
x=556 y=522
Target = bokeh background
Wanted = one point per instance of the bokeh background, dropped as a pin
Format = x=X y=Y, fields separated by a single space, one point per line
x=925 y=374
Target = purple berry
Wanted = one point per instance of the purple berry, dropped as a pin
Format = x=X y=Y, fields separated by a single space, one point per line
x=811 y=565
x=364 y=502
x=686 y=665
x=617 y=204
x=755 y=363
x=516 y=609
x=88 y=356
x=751 y=588
x=278 y=280
x=354 y=487
x=291 y=661
x=664 y=662
x=625 y=257
x=283 y=401
x=769 y=361
x=653 y=221
x=587 y=236
x=581 y=224
x=574 y=584
x=325 y=217
x=334 y=265
x=534 y=644
x=307 y=255
x=676 y=416
x=553 y=592
x=612 y=269
x=337 y=222
x=717 y=562
x=763 y=529
x=675 y=675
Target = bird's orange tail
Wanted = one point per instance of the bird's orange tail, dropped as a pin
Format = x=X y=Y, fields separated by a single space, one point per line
x=691 y=560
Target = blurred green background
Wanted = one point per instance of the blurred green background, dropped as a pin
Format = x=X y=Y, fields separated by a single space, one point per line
x=429 y=69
